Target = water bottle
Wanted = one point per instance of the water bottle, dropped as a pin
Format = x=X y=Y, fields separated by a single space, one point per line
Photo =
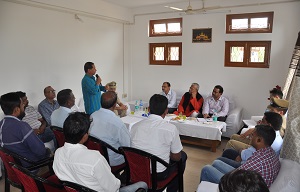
x=136 y=106
x=141 y=105
x=215 y=117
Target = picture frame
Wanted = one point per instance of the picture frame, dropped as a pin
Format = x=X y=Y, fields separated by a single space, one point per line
x=203 y=35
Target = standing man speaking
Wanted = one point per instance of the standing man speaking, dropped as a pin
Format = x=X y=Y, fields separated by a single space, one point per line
x=91 y=88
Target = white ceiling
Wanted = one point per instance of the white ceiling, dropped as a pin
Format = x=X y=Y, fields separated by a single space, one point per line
x=142 y=3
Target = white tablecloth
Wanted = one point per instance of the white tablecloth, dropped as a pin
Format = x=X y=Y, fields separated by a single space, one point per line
x=198 y=128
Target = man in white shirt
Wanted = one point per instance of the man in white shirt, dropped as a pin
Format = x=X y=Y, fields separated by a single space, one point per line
x=108 y=127
x=75 y=163
x=66 y=100
x=157 y=136
x=216 y=104
x=171 y=96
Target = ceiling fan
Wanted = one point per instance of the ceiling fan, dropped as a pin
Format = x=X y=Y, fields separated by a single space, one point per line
x=190 y=11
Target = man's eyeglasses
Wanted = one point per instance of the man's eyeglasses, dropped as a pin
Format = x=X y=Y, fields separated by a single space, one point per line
x=51 y=91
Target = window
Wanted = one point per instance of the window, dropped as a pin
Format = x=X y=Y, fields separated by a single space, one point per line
x=254 y=54
x=165 y=53
x=250 y=23
x=165 y=27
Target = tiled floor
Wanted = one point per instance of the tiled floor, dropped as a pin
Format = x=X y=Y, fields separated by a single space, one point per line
x=197 y=158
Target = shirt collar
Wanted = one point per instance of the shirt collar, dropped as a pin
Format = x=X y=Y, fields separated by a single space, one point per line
x=66 y=109
x=13 y=117
x=155 y=117
x=77 y=145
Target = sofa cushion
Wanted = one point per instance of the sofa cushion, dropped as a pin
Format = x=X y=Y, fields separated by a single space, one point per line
x=288 y=179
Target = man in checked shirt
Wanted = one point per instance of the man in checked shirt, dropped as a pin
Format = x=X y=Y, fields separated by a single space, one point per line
x=264 y=161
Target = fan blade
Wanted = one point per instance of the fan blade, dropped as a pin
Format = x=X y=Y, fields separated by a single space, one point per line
x=175 y=8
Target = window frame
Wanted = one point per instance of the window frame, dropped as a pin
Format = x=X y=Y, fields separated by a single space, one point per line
x=249 y=16
x=246 y=60
x=164 y=21
x=166 y=53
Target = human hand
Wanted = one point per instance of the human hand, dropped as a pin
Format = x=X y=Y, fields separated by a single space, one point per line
x=206 y=115
x=247 y=133
x=238 y=159
x=98 y=80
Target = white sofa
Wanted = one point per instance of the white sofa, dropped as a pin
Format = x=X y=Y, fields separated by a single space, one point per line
x=234 y=121
x=288 y=179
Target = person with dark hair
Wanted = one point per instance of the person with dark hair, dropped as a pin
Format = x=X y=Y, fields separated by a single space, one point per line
x=160 y=138
x=91 y=88
x=191 y=102
x=36 y=121
x=276 y=93
x=170 y=95
x=48 y=105
x=107 y=126
x=216 y=104
x=264 y=160
x=242 y=181
x=16 y=135
x=270 y=118
x=66 y=100
x=74 y=162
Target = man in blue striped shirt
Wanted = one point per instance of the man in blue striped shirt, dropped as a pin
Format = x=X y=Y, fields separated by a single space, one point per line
x=91 y=88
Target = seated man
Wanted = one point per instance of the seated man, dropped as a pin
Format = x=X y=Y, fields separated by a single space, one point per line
x=48 y=105
x=264 y=161
x=66 y=100
x=216 y=104
x=120 y=108
x=110 y=128
x=243 y=181
x=75 y=163
x=160 y=138
x=36 y=121
x=191 y=102
x=16 y=135
x=242 y=142
x=171 y=96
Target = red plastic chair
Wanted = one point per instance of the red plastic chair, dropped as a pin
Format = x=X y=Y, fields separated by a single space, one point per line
x=59 y=135
x=97 y=144
x=141 y=164
x=74 y=187
x=33 y=183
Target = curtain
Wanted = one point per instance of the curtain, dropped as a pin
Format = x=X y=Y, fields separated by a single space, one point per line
x=294 y=65
x=291 y=144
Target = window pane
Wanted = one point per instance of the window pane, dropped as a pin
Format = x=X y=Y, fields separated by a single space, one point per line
x=237 y=54
x=159 y=53
x=160 y=28
x=259 y=23
x=174 y=53
x=239 y=24
x=173 y=27
x=257 y=54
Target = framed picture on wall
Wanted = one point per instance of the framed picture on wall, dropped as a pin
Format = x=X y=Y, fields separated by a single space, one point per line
x=202 y=35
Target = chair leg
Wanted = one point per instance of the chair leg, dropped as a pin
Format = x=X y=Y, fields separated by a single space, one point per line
x=7 y=185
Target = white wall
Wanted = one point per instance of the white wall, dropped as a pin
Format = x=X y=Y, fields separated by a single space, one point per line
x=40 y=47
x=204 y=62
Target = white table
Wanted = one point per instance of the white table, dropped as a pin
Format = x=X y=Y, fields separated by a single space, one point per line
x=197 y=131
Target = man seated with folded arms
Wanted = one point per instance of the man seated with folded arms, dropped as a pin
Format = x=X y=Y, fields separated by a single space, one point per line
x=16 y=135
x=75 y=163
x=36 y=121
x=270 y=118
x=120 y=108
x=160 y=138
x=48 y=105
x=109 y=128
x=217 y=104
x=264 y=161
x=170 y=95
x=66 y=100
x=191 y=102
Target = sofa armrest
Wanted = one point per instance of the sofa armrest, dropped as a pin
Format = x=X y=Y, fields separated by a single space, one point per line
x=233 y=122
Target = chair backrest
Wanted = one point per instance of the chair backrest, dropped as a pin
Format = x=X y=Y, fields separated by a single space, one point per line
x=74 y=187
x=59 y=135
x=10 y=175
x=28 y=182
x=96 y=144
x=35 y=183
